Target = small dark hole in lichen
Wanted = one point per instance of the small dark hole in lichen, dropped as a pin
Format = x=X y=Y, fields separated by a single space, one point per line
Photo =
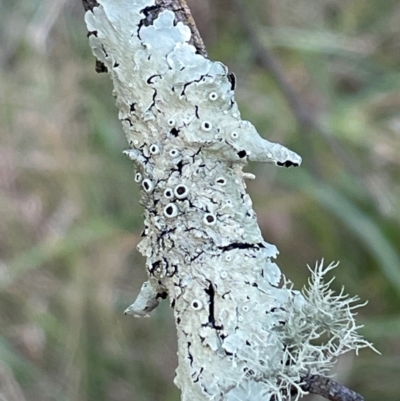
x=210 y=218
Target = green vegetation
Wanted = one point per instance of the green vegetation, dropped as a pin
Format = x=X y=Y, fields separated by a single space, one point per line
x=70 y=217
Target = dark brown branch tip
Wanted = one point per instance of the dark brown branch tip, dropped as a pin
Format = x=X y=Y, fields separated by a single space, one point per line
x=329 y=389
x=89 y=4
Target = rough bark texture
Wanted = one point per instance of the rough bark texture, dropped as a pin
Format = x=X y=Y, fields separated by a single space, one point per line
x=329 y=389
x=241 y=336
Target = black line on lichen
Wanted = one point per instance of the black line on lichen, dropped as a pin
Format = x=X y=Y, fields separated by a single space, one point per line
x=232 y=80
x=150 y=79
x=211 y=293
x=287 y=163
x=193 y=156
x=164 y=233
x=104 y=51
x=153 y=103
x=191 y=82
x=199 y=374
x=129 y=121
x=144 y=159
x=193 y=258
x=190 y=356
x=240 y=245
x=211 y=306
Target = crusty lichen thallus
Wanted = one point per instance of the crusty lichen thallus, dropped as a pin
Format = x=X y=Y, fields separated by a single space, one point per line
x=240 y=336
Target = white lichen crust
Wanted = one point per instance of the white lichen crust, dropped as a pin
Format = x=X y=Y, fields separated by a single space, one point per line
x=241 y=336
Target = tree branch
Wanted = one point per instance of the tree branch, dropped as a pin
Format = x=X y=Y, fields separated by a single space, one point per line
x=329 y=389
x=241 y=336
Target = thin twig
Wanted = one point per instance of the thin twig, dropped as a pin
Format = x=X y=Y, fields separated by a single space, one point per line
x=329 y=389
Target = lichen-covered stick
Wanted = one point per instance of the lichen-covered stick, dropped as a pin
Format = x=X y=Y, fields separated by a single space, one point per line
x=242 y=334
x=329 y=389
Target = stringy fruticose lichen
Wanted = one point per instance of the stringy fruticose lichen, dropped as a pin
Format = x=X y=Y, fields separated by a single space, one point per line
x=242 y=335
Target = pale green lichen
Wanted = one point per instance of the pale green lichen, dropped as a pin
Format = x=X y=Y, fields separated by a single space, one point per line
x=320 y=326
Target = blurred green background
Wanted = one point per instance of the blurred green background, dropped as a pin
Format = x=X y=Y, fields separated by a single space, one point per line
x=70 y=218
